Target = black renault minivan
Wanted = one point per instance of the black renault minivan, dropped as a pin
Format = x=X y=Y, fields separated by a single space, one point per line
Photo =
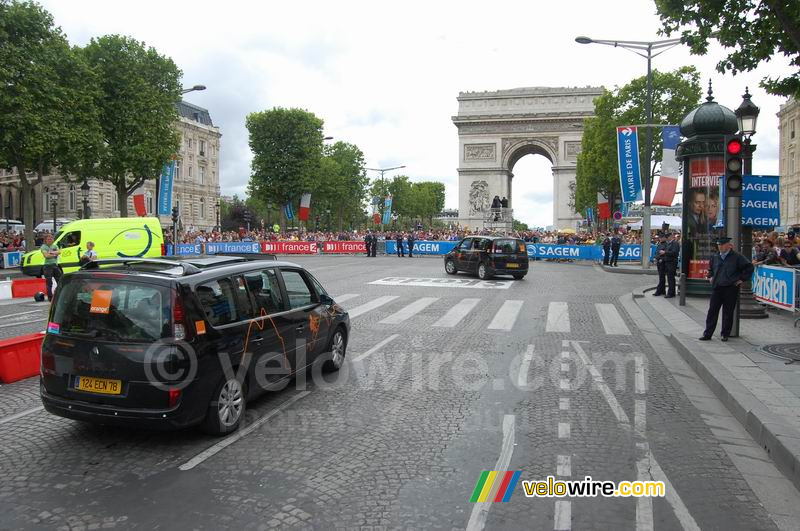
x=161 y=343
x=488 y=256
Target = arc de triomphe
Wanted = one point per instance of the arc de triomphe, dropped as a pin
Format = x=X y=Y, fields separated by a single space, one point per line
x=496 y=129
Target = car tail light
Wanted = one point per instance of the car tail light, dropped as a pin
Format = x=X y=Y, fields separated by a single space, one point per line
x=174 y=397
x=178 y=317
x=48 y=365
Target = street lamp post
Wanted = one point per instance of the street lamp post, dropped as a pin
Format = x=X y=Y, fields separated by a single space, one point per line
x=193 y=89
x=54 y=204
x=644 y=49
x=85 y=195
x=747 y=117
x=219 y=205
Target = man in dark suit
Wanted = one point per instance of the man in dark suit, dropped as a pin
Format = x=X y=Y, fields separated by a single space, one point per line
x=726 y=273
x=671 y=263
x=398 y=240
x=661 y=251
x=368 y=243
x=411 y=239
x=607 y=249
x=616 y=243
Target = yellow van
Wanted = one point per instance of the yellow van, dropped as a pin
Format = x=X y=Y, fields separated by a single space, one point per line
x=112 y=237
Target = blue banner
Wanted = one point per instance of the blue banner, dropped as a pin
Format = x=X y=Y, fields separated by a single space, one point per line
x=590 y=215
x=185 y=249
x=629 y=174
x=288 y=210
x=583 y=252
x=774 y=286
x=11 y=259
x=233 y=247
x=387 y=210
x=165 y=189
x=422 y=247
x=761 y=201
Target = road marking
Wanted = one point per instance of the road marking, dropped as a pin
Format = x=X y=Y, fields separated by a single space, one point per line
x=371 y=305
x=565 y=355
x=612 y=320
x=641 y=388
x=565 y=367
x=678 y=507
x=563 y=404
x=456 y=313
x=480 y=511
x=563 y=465
x=17 y=314
x=21 y=414
x=23 y=323
x=227 y=441
x=564 y=384
x=506 y=316
x=640 y=418
x=611 y=400
x=563 y=430
x=346 y=297
x=522 y=379
x=410 y=310
x=377 y=347
x=563 y=517
x=644 y=504
x=557 y=317
x=440 y=282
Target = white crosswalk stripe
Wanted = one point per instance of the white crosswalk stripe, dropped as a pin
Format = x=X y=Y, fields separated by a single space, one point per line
x=345 y=297
x=410 y=310
x=506 y=316
x=455 y=314
x=557 y=317
x=371 y=305
x=612 y=320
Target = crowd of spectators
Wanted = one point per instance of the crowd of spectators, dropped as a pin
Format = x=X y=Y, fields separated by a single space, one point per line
x=773 y=248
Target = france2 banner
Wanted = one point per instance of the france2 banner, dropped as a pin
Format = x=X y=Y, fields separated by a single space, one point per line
x=344 y=247
x=289 y=247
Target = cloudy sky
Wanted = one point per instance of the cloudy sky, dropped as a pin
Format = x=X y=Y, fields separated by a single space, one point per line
x=385 y=76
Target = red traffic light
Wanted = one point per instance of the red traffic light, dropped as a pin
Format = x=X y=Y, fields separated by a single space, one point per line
x=734 y=146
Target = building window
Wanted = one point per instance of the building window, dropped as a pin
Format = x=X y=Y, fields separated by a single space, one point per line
x=177 y=169
x=114 y=201
x=148 y=200
x=213 y=177
x=791 y=129
x=202 y=208
x=189 y=174
x=202 y=148
x=71 y=198
x=101 y=201
x=189 y=145
x=201 y=174
x=46 y=199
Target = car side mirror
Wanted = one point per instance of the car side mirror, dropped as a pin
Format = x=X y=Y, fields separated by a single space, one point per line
x=325 y=299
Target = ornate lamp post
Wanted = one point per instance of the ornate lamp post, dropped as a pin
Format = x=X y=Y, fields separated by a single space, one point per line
x=85 y=195
x=747 y=117
x=54 y=204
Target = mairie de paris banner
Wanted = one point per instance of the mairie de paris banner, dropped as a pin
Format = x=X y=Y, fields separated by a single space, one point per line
x=165 y=189
x=629 y=174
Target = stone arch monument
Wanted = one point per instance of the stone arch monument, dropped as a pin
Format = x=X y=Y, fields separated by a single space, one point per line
x=496 y=129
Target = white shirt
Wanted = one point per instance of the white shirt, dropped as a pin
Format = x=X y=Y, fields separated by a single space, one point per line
x=90 y=254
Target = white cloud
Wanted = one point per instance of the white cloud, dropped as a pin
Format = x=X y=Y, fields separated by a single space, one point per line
x=386 y=76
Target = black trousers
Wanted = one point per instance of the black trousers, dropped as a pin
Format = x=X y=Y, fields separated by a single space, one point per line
x=725 y=298
x=411 y=249
x=606 y=256
x=614 y=257
x=51 y=272
x=400 y=250
x=374 y=249
x=666 y=276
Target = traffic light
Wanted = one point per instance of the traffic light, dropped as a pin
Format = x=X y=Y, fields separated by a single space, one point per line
x=174 y=214
x=734 y=149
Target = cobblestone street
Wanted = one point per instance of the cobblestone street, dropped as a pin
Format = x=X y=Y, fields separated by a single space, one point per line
x=559 y=374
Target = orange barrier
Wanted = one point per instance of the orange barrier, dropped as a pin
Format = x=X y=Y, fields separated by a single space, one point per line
x=19 y=357
x=27 y=287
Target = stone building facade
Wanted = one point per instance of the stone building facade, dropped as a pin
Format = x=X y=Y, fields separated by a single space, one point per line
x=196 y=186
x=789 y=161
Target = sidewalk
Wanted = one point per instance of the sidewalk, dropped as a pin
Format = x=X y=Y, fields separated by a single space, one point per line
x=761 y=391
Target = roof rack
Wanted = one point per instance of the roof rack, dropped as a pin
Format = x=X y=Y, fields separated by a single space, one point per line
x=188 y=269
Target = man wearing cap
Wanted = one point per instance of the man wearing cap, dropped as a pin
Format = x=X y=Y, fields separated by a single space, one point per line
x=661 y=251
x=726 y=273
x=671 y=255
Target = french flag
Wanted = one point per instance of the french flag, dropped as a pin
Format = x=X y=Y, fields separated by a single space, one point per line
x=305 y=207
x=603 y=207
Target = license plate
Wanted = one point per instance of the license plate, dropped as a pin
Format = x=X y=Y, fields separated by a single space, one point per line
x=98 y=385
x=512 y=266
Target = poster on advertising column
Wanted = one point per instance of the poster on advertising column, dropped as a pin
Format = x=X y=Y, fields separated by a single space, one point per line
x=702 y=212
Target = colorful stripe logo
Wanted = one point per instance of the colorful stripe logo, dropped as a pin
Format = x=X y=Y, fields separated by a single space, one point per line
x=495 y=486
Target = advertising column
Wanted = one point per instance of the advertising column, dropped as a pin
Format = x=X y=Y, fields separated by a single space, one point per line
x=702 y=210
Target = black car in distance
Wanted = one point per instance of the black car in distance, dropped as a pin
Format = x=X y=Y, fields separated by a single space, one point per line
x=488 y=256
x=161 y=343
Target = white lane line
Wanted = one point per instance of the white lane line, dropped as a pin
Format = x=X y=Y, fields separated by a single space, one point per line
x=565 y=367
x=564 y=384
x=522 y=379
x=611 y=400
x=21 y=414
x=345 y=297
x=563 y=516
x=227 y=441
x=371 y=305
x=456 y=313
x=23 y=323
x=612 y=320
x=506 y=316
x=641 y=388
x=678 y=507
x=563 y=430
x=557 y=317
x=640 y=418
x=377 y=347
x=480 y=511
x=563 y=404
x=644 y=504
x=563 y=465
x=410 y=311
x=17 y=314
x=565 y=355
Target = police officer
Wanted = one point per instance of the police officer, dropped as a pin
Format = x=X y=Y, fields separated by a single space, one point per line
x=411 y=239
x=726 y=273
x=399 y=244
x=671 y=255
x=374 y=246
x=607 y=250
x=661 y=251
x=368 y=242
x=616 y=243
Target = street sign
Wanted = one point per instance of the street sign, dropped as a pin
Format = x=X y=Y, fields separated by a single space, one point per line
x=617 y=215
x=628 y=153
x=761 y=201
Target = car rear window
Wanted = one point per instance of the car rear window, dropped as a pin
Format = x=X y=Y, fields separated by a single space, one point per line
x=112 y=310
x=509 y=246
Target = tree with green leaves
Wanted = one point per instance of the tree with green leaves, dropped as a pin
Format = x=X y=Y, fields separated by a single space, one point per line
x=342 y=185
x=287 y=154
x=50 y=121
x=138 y=92
x=755 y=30
x=675 y=94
